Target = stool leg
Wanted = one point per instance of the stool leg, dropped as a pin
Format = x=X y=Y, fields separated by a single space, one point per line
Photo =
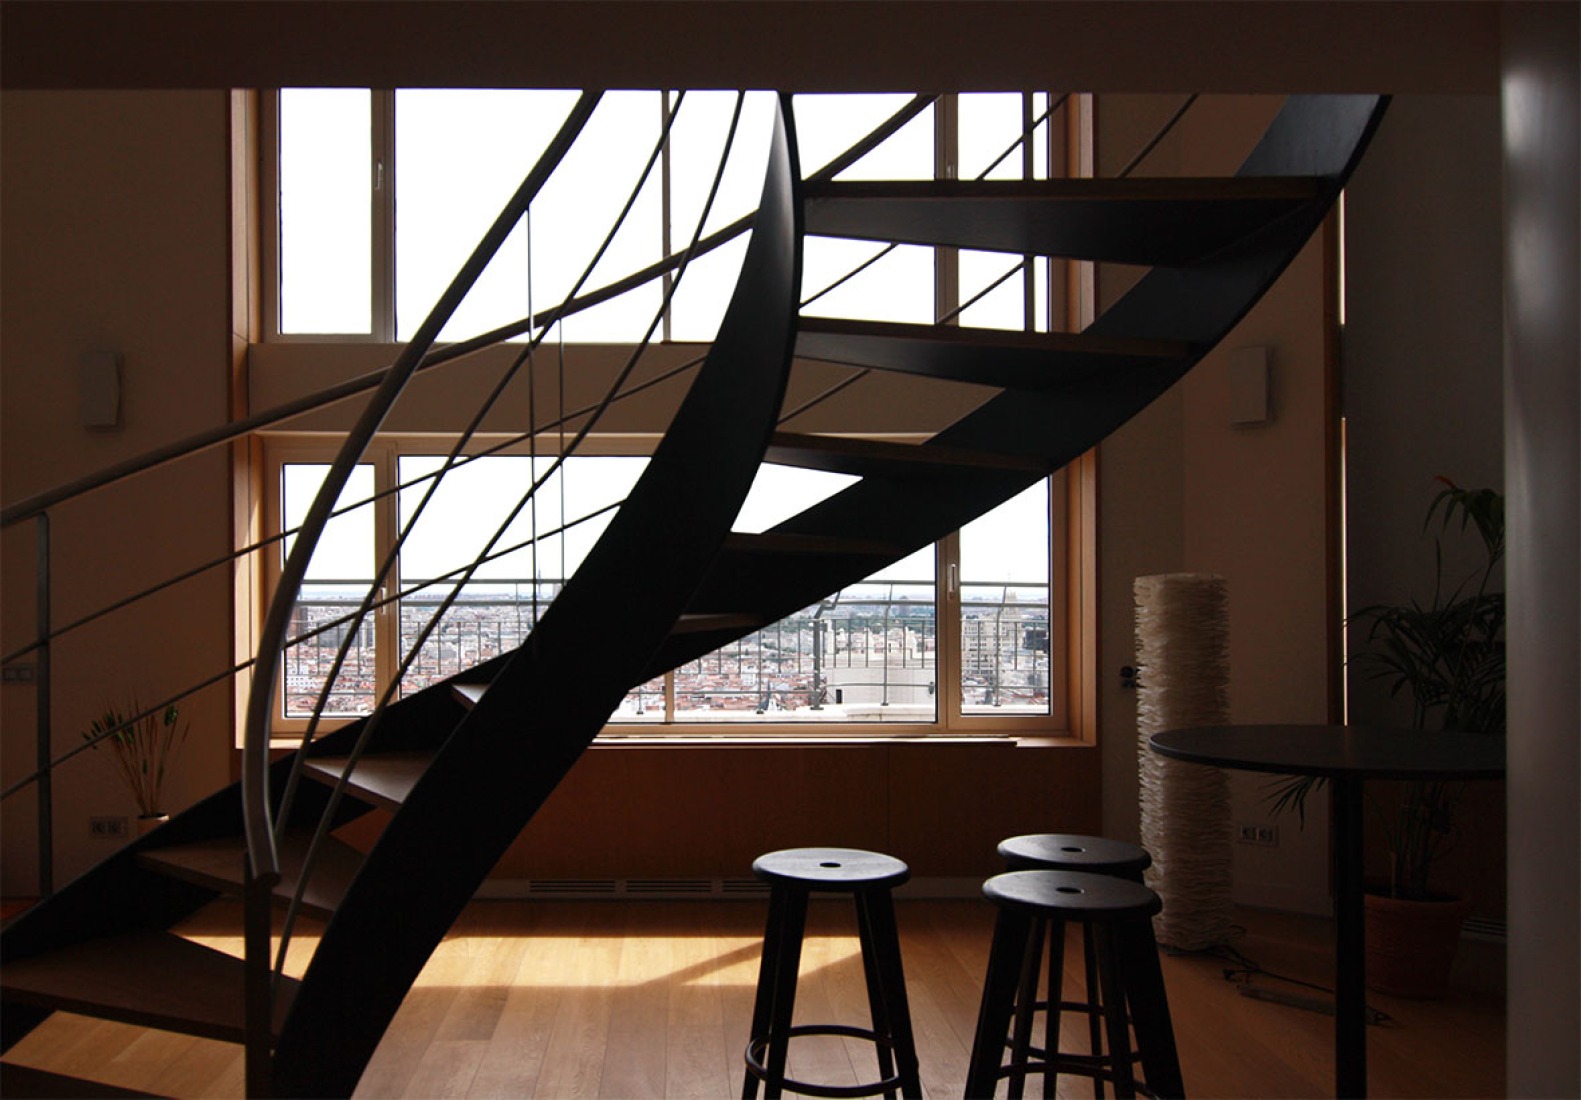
x=1114 y=1012
x=1027 y=1006
x=776 y=994
x=1051 y=1021
x=877 y=1009
x=1094 y=1004
x=763 y=999
x=876 y=910
x=1005 y=956
x=1143 y=980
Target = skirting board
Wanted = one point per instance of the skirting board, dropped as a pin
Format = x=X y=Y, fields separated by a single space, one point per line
x=672 y=889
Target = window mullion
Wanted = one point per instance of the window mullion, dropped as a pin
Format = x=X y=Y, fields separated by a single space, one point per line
x=382 y=183
x=947 y=653
x=946 y=166
x=269 y=150
x=665 y=212
x=386 y=526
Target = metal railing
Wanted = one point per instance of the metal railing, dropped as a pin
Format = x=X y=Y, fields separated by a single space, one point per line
x=426 y=645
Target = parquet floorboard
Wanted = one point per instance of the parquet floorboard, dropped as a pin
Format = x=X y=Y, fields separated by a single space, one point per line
x=638 y=999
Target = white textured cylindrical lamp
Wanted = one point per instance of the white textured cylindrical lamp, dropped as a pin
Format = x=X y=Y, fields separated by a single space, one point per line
x=1182 y=650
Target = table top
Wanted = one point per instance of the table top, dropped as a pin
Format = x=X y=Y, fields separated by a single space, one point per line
x=1373 y=753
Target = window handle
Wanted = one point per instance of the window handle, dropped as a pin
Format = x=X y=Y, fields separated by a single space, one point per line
x=953 y=581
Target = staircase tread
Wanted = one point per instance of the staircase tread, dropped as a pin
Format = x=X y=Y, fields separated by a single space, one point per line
x=19 y=1082
x=384 y=778
x=996 y=338
x=851 y=454
x=217 y=864
x=1172 y=221
x=152 y=979
x=773 y=543
x=1128 y=189
x=469 y=695
x=704 y=622
x=1032 y=362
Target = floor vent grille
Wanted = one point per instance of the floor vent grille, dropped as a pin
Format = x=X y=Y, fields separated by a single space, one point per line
x=583 y=888
x=574 y=887
x=1489 y=931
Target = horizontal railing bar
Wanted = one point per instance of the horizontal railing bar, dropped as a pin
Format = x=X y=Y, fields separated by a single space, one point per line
x=70 y=753
x=224 y=433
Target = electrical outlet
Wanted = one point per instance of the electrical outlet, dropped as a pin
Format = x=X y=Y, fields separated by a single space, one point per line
x=108 y=828
x=17 y=674
x=1266 y=836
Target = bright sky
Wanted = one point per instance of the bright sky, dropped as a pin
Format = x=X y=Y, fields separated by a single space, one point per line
x=460 y=154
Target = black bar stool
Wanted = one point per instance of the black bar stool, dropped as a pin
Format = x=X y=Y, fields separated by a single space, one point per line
x=1119 y=914
x=793 y=875
x=1065 y=852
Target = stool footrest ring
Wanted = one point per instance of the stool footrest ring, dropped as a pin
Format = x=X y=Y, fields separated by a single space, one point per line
x=758 y=1044
x=1075 y=1065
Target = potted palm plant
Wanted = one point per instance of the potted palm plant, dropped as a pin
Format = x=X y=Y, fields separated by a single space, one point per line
x=1447 y=657
x=142 y=743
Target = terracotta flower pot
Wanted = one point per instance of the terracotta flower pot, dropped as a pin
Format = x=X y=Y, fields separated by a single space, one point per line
x=1411 y=944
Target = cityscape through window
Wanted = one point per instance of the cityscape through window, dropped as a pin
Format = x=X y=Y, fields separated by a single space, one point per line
x=379 y=196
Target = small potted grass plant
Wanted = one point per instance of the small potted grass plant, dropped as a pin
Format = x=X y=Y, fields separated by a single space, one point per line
x=142 y=743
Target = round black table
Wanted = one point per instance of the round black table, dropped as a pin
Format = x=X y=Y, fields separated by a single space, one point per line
x=1346 y=756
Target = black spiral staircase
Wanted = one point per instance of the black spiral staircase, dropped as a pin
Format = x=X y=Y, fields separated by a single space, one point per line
x=462 y=766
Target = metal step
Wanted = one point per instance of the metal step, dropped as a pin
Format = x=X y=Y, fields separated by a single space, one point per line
x=882 y=458
x=384 y=779
x=740 y=543
x=718 y=622
x=1134 y=221
x=152 y=979
x=218 y=864
x=1038 y=362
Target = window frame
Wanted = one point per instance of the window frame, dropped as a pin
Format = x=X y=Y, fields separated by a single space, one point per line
x=384 y=454
x=1072 y=714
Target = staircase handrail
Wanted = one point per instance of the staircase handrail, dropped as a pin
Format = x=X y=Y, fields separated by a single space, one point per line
x=258 y=815
x=371 y=722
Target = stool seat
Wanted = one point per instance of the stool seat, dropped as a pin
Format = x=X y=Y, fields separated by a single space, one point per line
x=1073 y=895
x=839 y=870
x=1069 y=852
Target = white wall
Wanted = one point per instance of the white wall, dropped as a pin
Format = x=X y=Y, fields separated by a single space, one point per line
x=1185 y=490
x=115 y=237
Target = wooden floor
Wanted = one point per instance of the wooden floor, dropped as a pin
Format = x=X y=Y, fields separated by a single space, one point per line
x=653 y=998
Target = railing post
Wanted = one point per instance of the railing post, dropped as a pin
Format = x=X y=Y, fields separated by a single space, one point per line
x=41 y=692
x=257 y=914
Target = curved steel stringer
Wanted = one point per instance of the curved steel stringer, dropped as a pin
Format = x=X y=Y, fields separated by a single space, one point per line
x=553 y=695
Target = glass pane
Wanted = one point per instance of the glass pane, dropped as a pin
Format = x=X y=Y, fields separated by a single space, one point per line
x=578 y=207
x=780 y=492
x=1005 y=608
x=990 y=124
x=337 y=579
x=828 y=125
x=459 y=156
x=325 y=211
x=1003 y=307
x=697 y=141
x=866 y=655
x=704 y=291
x=897 y=286
x=473 y=504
